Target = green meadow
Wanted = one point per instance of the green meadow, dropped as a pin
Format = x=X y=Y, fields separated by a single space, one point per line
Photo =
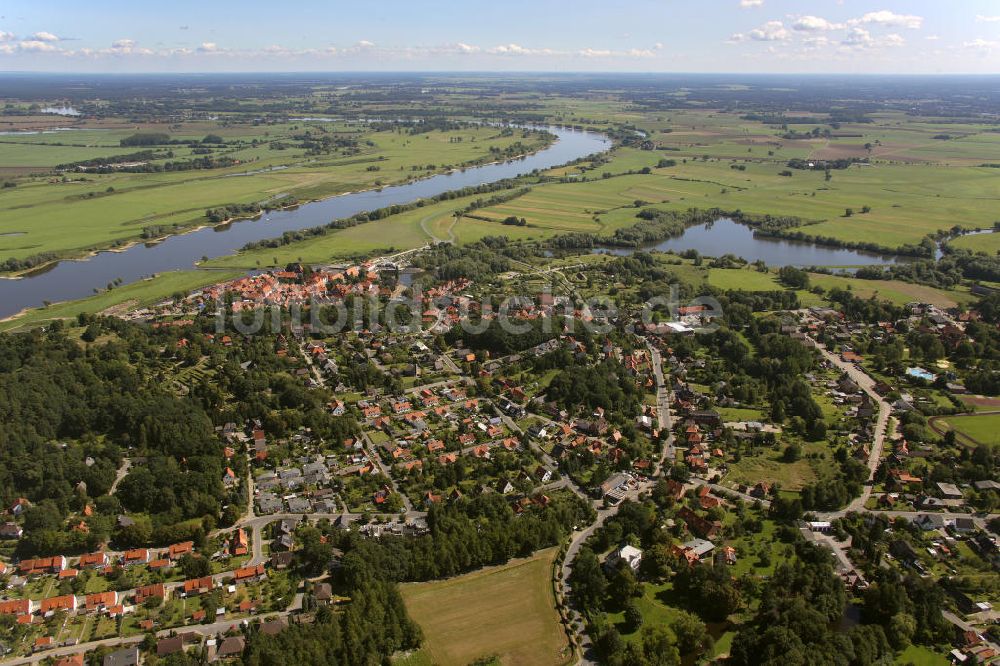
x=83 y=211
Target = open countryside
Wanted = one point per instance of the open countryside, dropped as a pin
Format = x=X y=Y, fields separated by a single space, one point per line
x=437 y=334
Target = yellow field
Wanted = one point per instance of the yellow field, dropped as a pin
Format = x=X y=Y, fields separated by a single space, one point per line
x=894 y=291
x=508 y=611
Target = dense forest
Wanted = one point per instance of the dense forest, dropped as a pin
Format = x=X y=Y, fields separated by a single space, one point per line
x=74 y=404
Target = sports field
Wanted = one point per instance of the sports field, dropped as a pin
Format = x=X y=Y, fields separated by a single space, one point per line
x=507 y=611
x=973 y=429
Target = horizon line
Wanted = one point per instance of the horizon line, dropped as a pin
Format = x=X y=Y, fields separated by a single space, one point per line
x=487 y=71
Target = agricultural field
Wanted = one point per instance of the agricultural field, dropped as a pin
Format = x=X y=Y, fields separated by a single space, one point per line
x=894 y=291
x=915 y=184
x=985 y=243
x=737 y=165
x=507 y=611
x=75 y=211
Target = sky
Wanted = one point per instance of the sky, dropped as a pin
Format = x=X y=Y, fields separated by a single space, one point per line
x=732 y=36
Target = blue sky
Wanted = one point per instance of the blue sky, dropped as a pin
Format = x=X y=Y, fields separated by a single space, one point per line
x=849 y=36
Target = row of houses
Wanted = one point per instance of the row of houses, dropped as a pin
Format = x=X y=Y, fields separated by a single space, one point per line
x=117 y=604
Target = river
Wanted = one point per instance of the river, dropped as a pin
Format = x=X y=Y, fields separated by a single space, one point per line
x=725 y=236
x=73 y=279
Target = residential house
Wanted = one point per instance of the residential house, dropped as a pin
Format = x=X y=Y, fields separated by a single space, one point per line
x=136 y=556
x=244 y=574
x=92 y=560
x=147 y=591
x=630 y=555
x=323 y=593
x=231 y=647
x=240 y=545
x=949 y=491
x=702 y=527
x=125 y=657
x=281 y=561
x=15 y=607
x=168 y=646
x=99 y=601
x=65 y=602
x=70 y=660
x=701 y=548
x=299 y=505
x=197 y=586
x=42 y=565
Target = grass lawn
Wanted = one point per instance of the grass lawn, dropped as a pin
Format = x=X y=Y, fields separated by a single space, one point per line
x=745 y=279
x=769 y=467
x=921 y=656
x=987 y=243
x=894 y=291
x=653 y=608
x=740 y=414
x=508 y=611
x=982 y=428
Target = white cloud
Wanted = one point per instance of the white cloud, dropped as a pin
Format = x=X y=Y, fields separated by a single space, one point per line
x=772 y=31
x=987 y=19
x=980 y=44
x=610 y=53
x=888 y=18
x=124 y=47
x=860 y=38
x=751 y=3
x=7 y=36
x=814 y=24
x=516 y=49
x=816 y=42
x=36 y=46
x=932 y=38
x=44 y=37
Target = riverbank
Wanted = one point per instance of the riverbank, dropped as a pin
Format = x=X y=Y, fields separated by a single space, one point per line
x=83 y=254
x=68 y=280
x=142 y=293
